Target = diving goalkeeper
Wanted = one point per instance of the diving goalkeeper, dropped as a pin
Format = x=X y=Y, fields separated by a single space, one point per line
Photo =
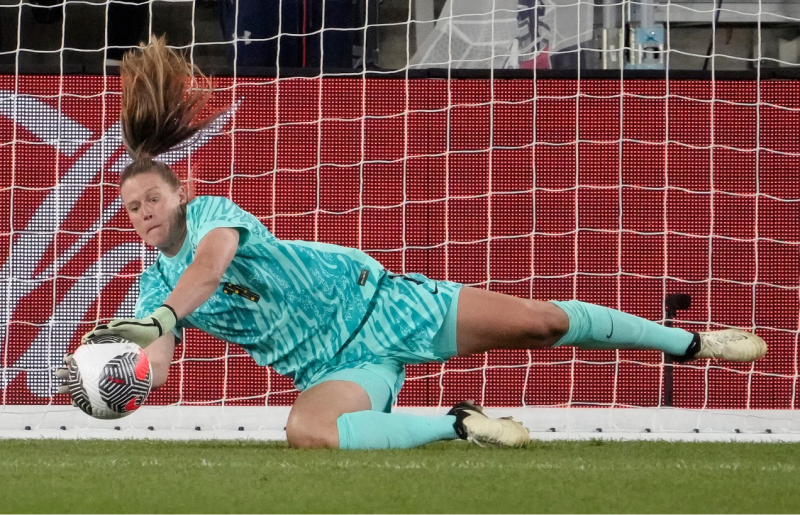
x=329 y=317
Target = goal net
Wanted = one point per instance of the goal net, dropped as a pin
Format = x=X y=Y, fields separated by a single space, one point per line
x=541 y=162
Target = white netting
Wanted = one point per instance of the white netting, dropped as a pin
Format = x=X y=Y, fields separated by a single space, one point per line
x=567 y=178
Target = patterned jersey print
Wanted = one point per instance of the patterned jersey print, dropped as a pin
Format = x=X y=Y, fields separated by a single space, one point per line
x=289 y=304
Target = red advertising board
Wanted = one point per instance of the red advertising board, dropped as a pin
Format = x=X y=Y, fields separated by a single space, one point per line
x=612 y=192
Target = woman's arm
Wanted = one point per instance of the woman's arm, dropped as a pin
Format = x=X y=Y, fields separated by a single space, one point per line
x=201 y=279
x=197 y=283
x=160 y=354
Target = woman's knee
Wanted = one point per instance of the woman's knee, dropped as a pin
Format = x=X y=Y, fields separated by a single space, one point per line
x=311 y=431
x=546 y=322
x=313 y=420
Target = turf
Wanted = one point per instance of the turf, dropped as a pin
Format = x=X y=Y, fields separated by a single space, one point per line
x=452 y=477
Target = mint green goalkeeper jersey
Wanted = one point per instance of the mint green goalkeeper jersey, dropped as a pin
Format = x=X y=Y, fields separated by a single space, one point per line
x=289 y=304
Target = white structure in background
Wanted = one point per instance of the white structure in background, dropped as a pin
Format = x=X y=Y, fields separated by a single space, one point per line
x=544 y=33
x=500 y=33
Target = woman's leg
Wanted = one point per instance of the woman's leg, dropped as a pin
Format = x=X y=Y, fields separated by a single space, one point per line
x=489 y=320
x=312 y=420
x=353 y=414
x=333 y=414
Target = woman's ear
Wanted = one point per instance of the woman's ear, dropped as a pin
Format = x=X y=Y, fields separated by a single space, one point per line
x=182 y=195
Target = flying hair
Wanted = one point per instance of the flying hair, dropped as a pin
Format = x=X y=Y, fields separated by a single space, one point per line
x=162 y=98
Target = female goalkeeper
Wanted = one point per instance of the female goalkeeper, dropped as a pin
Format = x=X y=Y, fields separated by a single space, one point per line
x=331 y=318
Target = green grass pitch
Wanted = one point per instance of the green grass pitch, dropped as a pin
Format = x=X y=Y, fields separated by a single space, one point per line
x=453 y=477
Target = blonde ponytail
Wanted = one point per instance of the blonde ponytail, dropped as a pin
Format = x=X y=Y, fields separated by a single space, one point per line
x=162 y=97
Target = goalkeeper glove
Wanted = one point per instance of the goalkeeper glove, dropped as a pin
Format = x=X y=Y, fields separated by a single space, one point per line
x=141 y=331
x=63 y=374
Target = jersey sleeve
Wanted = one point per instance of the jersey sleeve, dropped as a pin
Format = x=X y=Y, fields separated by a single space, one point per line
x=214 y=212
x=152 y=294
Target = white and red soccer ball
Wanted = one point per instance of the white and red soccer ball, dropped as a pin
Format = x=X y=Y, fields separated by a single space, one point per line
x=109 y=377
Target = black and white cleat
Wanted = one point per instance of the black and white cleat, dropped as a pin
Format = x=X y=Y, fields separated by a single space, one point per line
x=472 y=425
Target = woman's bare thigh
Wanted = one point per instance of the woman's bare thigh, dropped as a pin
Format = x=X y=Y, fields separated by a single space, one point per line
x=489 y=320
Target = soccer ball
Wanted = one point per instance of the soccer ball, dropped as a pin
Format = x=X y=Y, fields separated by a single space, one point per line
x=109 y=377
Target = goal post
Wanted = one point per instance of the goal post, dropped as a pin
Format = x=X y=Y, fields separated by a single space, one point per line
x=628 y=188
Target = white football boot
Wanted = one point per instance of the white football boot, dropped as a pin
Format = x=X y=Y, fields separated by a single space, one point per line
x=472 y=425
x=731 y=345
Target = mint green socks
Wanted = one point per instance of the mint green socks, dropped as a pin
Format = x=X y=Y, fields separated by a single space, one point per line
x=378 y=430
x=597 y=327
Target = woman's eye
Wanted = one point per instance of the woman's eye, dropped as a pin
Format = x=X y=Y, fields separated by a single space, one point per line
x=154 y=199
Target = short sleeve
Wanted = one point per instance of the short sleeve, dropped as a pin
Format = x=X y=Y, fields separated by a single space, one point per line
x=152 y=294
x=209 y=213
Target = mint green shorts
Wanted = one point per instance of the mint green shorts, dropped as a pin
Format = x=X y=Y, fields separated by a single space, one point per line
x=395 y=335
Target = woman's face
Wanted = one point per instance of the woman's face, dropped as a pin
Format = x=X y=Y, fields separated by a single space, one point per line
x=154 y=208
